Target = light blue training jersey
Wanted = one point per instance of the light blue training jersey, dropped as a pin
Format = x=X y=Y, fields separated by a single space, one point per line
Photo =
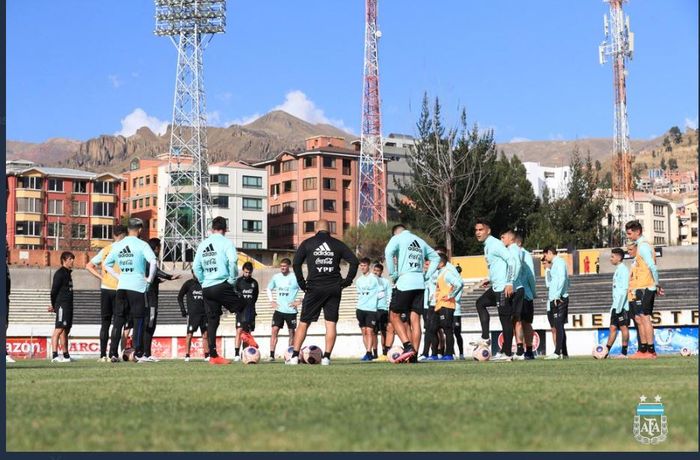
x=559 y=283
x=531 y=282
x=367 y=291
x=132 y=255
x=384 y=295
x=430 y=288
x=516 y=269
x=620 y=285
x=286 y=287
x=497 y=259
x=411 y=252
x=216 y=261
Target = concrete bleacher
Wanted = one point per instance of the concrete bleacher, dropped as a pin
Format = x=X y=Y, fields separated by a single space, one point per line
x=588 y=294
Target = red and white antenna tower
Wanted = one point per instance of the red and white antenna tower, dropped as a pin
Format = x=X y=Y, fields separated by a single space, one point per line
x=372 y=185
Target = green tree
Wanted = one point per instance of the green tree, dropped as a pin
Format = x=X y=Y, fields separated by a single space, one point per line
x=672 y=164
x=663 y=164
x=676 y=134
x=541 y=231
x=598 y=166
x=370 y=240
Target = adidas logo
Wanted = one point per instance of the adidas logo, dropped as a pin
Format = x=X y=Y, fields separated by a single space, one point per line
x=415 y=246
x=208 y=250
x=324 y=250
x=126 y=252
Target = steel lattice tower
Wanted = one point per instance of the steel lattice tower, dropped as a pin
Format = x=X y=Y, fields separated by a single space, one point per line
x=372 y=187
x=619 y=45
x=190 y=24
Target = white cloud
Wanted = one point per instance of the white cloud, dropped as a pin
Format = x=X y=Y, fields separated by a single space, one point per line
x=653 y=136
x=139 y=118
x=213 y=118
x=298 y=104
x=691 y=123
x=519 y=139
x=556 y=137
x=115 y=81
x=243 y=120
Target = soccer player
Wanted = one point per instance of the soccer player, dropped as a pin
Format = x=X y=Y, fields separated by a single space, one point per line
x=8 y=358
x=62 y=305
x=526 y=333
x=430 y=326
x=108 y=289
x=245 y=320
x=368 y=289
x=644 y=285
x=619 y=311
x=196 y=316
x=448 y=287
x=500 y=289
x=286 y=288
x=323 y=287
x=131 y=256
x=384 y=327
x=457 y=327
x=547 y=267
x=409 y=279
x=216 y=267
x=558 y=298
x=517 y=300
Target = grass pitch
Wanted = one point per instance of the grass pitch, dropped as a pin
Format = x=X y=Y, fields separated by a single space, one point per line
x=579 y=404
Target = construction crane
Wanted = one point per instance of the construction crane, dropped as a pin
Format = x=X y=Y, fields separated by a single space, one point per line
x=372 y=185
x=619 y=46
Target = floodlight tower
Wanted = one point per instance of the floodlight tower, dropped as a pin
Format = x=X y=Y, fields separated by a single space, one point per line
x=372 y=187
x=190 y=24
x=619 y=45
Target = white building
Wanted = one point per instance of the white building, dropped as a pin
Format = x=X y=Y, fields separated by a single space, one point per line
x=555 y=179
x=657 y=216
x=687 y=213
x=239 y=194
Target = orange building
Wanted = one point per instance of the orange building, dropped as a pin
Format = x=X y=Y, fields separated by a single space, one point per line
x=317 y=183
x=140 y=193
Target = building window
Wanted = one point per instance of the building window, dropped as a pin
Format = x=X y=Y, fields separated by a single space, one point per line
x=56 y=207
x=548 y=175
x=133 y=183
x=328 y=183
x=275 y=169
x=103 y=209
x=659 y=240
x=310 y=162
x=309 y=183
x=181 y=179
x=154 y=224
x=78 y=208
x=638 y=208
x=220 y=201
x=346 y=184
x=252 y=182
x=253 y=226
x=148 y=179
x=274 y=190
x=32 y=183
x=55 y=185
x=309 y=226
x=289 y=165
x=54 y=229
x=141 y=181
x=309 y=205
x=283 y=230
x=658 y=210
x=289 y=186
x=134 y=204
x=346 y=168
x=346 y=226
x=140 y=202
x=106 y=188
x=25 y=228
x=694 y=232
x=251 y=245
x=148 y=201
x=154 y=201
x=254 y=204
x=30 y=205
x=289 y=207
x=329 y=205
x=346 y=205
x=79 y=186
x=155 y=179
x=124 y=207
x=78 y=231
x=329 y=162
x=693 y=216
x=332 y=227
x=658 y=225
x=102 y=232
x=221 y=179
x=275 y=209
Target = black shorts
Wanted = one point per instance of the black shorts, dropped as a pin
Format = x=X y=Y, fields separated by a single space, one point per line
x=317 y=298
x=130 y=305
x=558 y=312
x=222 y=295
x=279 y=319
x=550 y=318
x=246 y=318
x=528 y=314
x=645 y=300
x=497 y=299
x=517 y=301
x=382 y=321
x=366 y=318
x=64 y=317
x=635 y=308
x=407 y=301
x=620 y=319
x=445 y=318
x=108 y=299
x=195 y=322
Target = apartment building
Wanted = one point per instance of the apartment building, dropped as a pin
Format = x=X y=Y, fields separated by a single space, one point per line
x=140 y=193
x=687 y=214
x=656 y=214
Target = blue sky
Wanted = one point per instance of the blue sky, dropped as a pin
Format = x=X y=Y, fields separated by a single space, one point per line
x=527 y=69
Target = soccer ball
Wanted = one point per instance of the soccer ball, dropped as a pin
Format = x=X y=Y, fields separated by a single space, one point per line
x=312 y=354
x=600 y=351
x=288 y=353
x=251 y=355
x=128 y=354
x=685 y=351
x=481 y=354
x=394 y=353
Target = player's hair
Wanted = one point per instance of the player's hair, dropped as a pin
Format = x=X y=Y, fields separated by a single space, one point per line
x=519 y=237
x=135 y=223
x=440 y=249
x=633 y=225
x=482 y=221
x=365 y=260
x=443 y=257
x=379 y=266
x=119 y=230
x=218 y=223
x=286 y=261
x=551 y=249
x=248 y=266
x=508 y=231
x=65 y=255
x=154 y=243
x=618 y=252
x=397 y=227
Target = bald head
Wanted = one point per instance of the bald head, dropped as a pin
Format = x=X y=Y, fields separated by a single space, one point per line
x=322 y=225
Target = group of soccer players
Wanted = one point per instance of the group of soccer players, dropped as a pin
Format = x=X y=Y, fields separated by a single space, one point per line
x=424 y=300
